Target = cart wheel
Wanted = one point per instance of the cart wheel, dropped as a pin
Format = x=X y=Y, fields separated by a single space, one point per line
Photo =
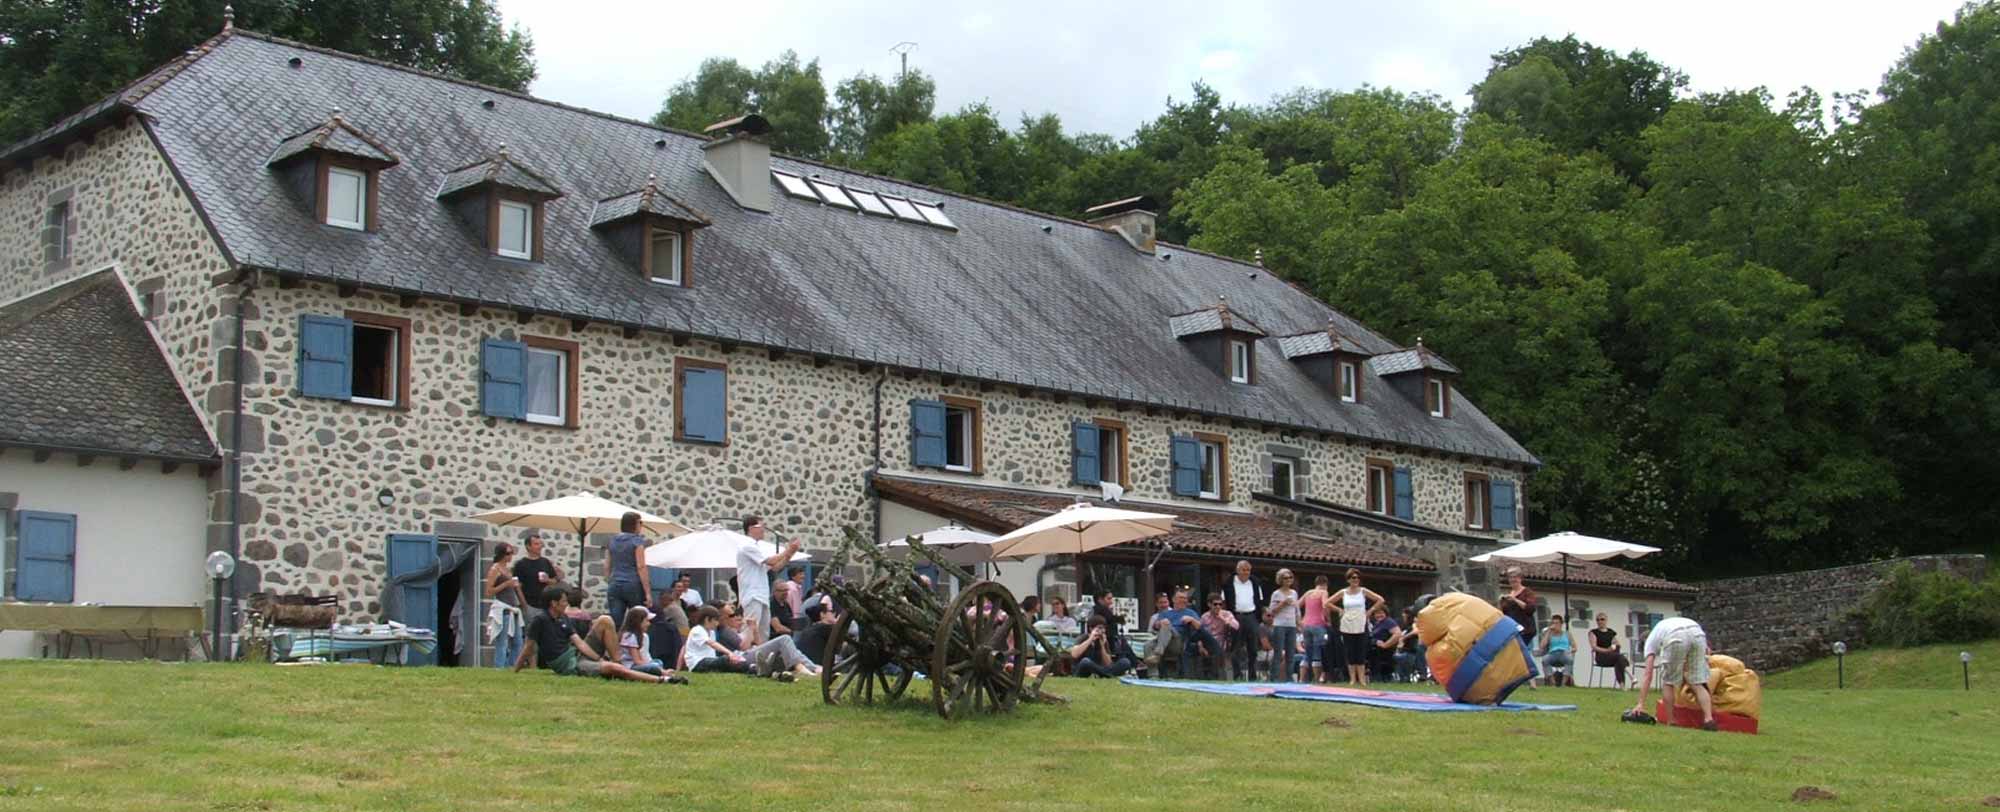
x=855 y=672
x=981 y=645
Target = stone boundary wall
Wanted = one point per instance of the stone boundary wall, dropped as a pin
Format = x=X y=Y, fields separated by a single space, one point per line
x=1778 y=621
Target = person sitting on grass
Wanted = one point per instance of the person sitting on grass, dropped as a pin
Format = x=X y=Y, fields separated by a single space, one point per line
x=778 y=657
x=1556 y=651
x=554 y=644
x=1677 y=649
x=811 y=640
x=1221 y=625
x=635 y=648
x=704 y=653
x=1059 y=615
x=1093 y=656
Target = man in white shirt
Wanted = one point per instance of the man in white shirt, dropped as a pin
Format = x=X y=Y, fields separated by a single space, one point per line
x=1246 y=598
x=691 y=597
x=1678 y=649
x=753 y=580
x=703 y=653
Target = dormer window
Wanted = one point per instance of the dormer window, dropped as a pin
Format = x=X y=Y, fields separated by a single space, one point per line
x=1239 y=362
x=516 y=234
x=1437 y=397
x=1350 y=382
x=1329 y=358
x=653 y=230
x=664 y=262
x=504 y=199
x=335 y=168
x=347 y=198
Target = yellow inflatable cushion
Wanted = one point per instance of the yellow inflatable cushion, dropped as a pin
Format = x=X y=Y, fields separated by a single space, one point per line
x=1451 y=628
x=1732 y=686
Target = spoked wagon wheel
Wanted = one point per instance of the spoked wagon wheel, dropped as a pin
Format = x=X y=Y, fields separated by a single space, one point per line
x=981 y=642
x=855 y=672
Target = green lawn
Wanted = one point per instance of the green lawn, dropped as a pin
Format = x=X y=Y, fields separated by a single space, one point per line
x=1925 y=667
x=93 y=735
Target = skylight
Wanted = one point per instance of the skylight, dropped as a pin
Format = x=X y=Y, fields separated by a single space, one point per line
x=833 y=194
x=795 y=185
x=904 y=209
x=935 y=215
x=870 y=203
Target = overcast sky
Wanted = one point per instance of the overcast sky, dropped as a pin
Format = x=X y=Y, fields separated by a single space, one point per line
x=1107 y=66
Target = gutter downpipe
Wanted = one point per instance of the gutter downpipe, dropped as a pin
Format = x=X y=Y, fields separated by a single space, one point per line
x=236 y=466
x=875 y=532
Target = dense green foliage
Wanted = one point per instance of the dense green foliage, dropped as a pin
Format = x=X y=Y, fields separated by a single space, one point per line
x=1758 y=332
x=1922 y=608
x=57 y=56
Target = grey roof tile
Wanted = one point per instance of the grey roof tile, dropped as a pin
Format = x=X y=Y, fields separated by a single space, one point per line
x=336 y=136
x=647 y=199
x=83 y=373
x=500 y=170
x=1410 y=360
x=1011 y=296
x=1318 y=342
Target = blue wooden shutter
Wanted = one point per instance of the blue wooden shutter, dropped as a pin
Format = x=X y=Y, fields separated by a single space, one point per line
x=1085 y=467
x=1405 y=495
x=1186 y=459
x=45 y=561
x=1503 y=505
x=704 y=404
x=503 y=379
x=419 y=606
x=927 y=434
x=326 y=357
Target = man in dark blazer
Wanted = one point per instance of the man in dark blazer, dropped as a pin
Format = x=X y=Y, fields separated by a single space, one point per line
x=1246 y=599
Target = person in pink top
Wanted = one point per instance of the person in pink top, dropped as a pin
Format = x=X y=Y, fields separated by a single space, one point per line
x=1312 y=611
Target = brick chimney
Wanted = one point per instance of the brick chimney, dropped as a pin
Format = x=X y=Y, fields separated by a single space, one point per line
x=1131 y=218
x=740 y=160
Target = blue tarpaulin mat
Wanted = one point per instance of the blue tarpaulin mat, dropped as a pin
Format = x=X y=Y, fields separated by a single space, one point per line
x=1410 y=701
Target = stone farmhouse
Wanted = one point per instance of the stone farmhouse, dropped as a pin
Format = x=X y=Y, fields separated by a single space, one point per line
x=393 y=299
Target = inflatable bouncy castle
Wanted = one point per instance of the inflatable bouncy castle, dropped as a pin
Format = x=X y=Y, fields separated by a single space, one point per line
x=1736 y=691
x=1475 y=652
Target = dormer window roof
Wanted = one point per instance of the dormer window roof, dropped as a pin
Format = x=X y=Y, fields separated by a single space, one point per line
x=502 y=172
x=646 y=202
x=1216 y=318
x=1415 y=359
x=336 y=137
x=1319 y=342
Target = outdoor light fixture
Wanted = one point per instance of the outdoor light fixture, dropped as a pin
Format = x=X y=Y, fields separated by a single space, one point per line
x=1965 y=664
x=219 y=566
x=385 y=498
x=1840 y=661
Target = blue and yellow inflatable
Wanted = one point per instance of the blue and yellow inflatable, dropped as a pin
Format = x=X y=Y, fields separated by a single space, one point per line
x=1475 y=652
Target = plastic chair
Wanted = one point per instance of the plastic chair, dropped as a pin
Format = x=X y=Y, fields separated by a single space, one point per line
x=1595 y=668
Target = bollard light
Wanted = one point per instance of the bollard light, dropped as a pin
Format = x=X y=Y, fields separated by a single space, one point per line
x=1965 y=665
x=1840 y=662
x=220 y=566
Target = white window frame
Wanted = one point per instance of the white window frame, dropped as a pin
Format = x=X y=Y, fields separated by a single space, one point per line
x=1239 y=361
x=527 y=250
x=1476 y=491
x=1377 y=492
x=1109 y=443
x=1291 y=467
x=679 y=274
x=395 y=371
x=360 y=198
x=562 y=389
x=1211 y=470
x=1350 y=382
x=964 y=437
x=1437 y=391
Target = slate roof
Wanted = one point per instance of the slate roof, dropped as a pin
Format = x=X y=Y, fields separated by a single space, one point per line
x=1209 y=320
x=998 y=510
x=335 y=136
x=82 y=373
x=1011 y=296
x=1318 y=342
x=1592 y=573
x=500 y=170
x=647 y=199
x=1410 y=360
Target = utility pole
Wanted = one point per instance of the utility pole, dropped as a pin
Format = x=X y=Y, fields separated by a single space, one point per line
x=903 y=49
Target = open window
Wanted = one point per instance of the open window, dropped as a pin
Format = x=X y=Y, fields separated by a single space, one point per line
x=360 y=358
x=1098 y=453
x=1214 y=465
x=1478 y=501
x=962 y=435
x=547 y=392
x=1381 y=485
x=534 y=380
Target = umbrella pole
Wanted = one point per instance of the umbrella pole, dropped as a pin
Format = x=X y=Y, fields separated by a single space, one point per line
x=1565 y=592
x=579 y=556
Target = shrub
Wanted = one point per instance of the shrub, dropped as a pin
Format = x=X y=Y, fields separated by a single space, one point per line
x=1920 y=608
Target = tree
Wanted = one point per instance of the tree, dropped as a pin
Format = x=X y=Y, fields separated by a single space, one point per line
x=1579 y=96
x=59 y=56
x=968 y=152
x=790 y=95
x=867 y=110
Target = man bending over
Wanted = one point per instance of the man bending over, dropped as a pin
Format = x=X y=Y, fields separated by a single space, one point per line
x=1678 y=648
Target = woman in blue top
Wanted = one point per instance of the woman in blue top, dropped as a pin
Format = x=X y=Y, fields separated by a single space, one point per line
x=1557 y=647
x=625 y=561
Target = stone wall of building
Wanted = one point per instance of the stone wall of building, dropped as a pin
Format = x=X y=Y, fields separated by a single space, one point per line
x=1778 y=621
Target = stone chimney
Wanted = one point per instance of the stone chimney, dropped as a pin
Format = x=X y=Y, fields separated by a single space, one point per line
x=1131 y=218
x=739 y=159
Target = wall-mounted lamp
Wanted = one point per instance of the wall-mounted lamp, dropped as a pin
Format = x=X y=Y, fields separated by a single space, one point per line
x=385 y=497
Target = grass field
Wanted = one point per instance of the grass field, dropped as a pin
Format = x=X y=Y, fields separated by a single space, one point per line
x=96 y=735
x=1925 y=667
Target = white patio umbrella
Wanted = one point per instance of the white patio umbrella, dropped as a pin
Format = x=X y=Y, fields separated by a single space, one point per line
x=582 y=514
x=710 y=548
x=959 y=545
x=1080 y=528
x=1563 y=547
